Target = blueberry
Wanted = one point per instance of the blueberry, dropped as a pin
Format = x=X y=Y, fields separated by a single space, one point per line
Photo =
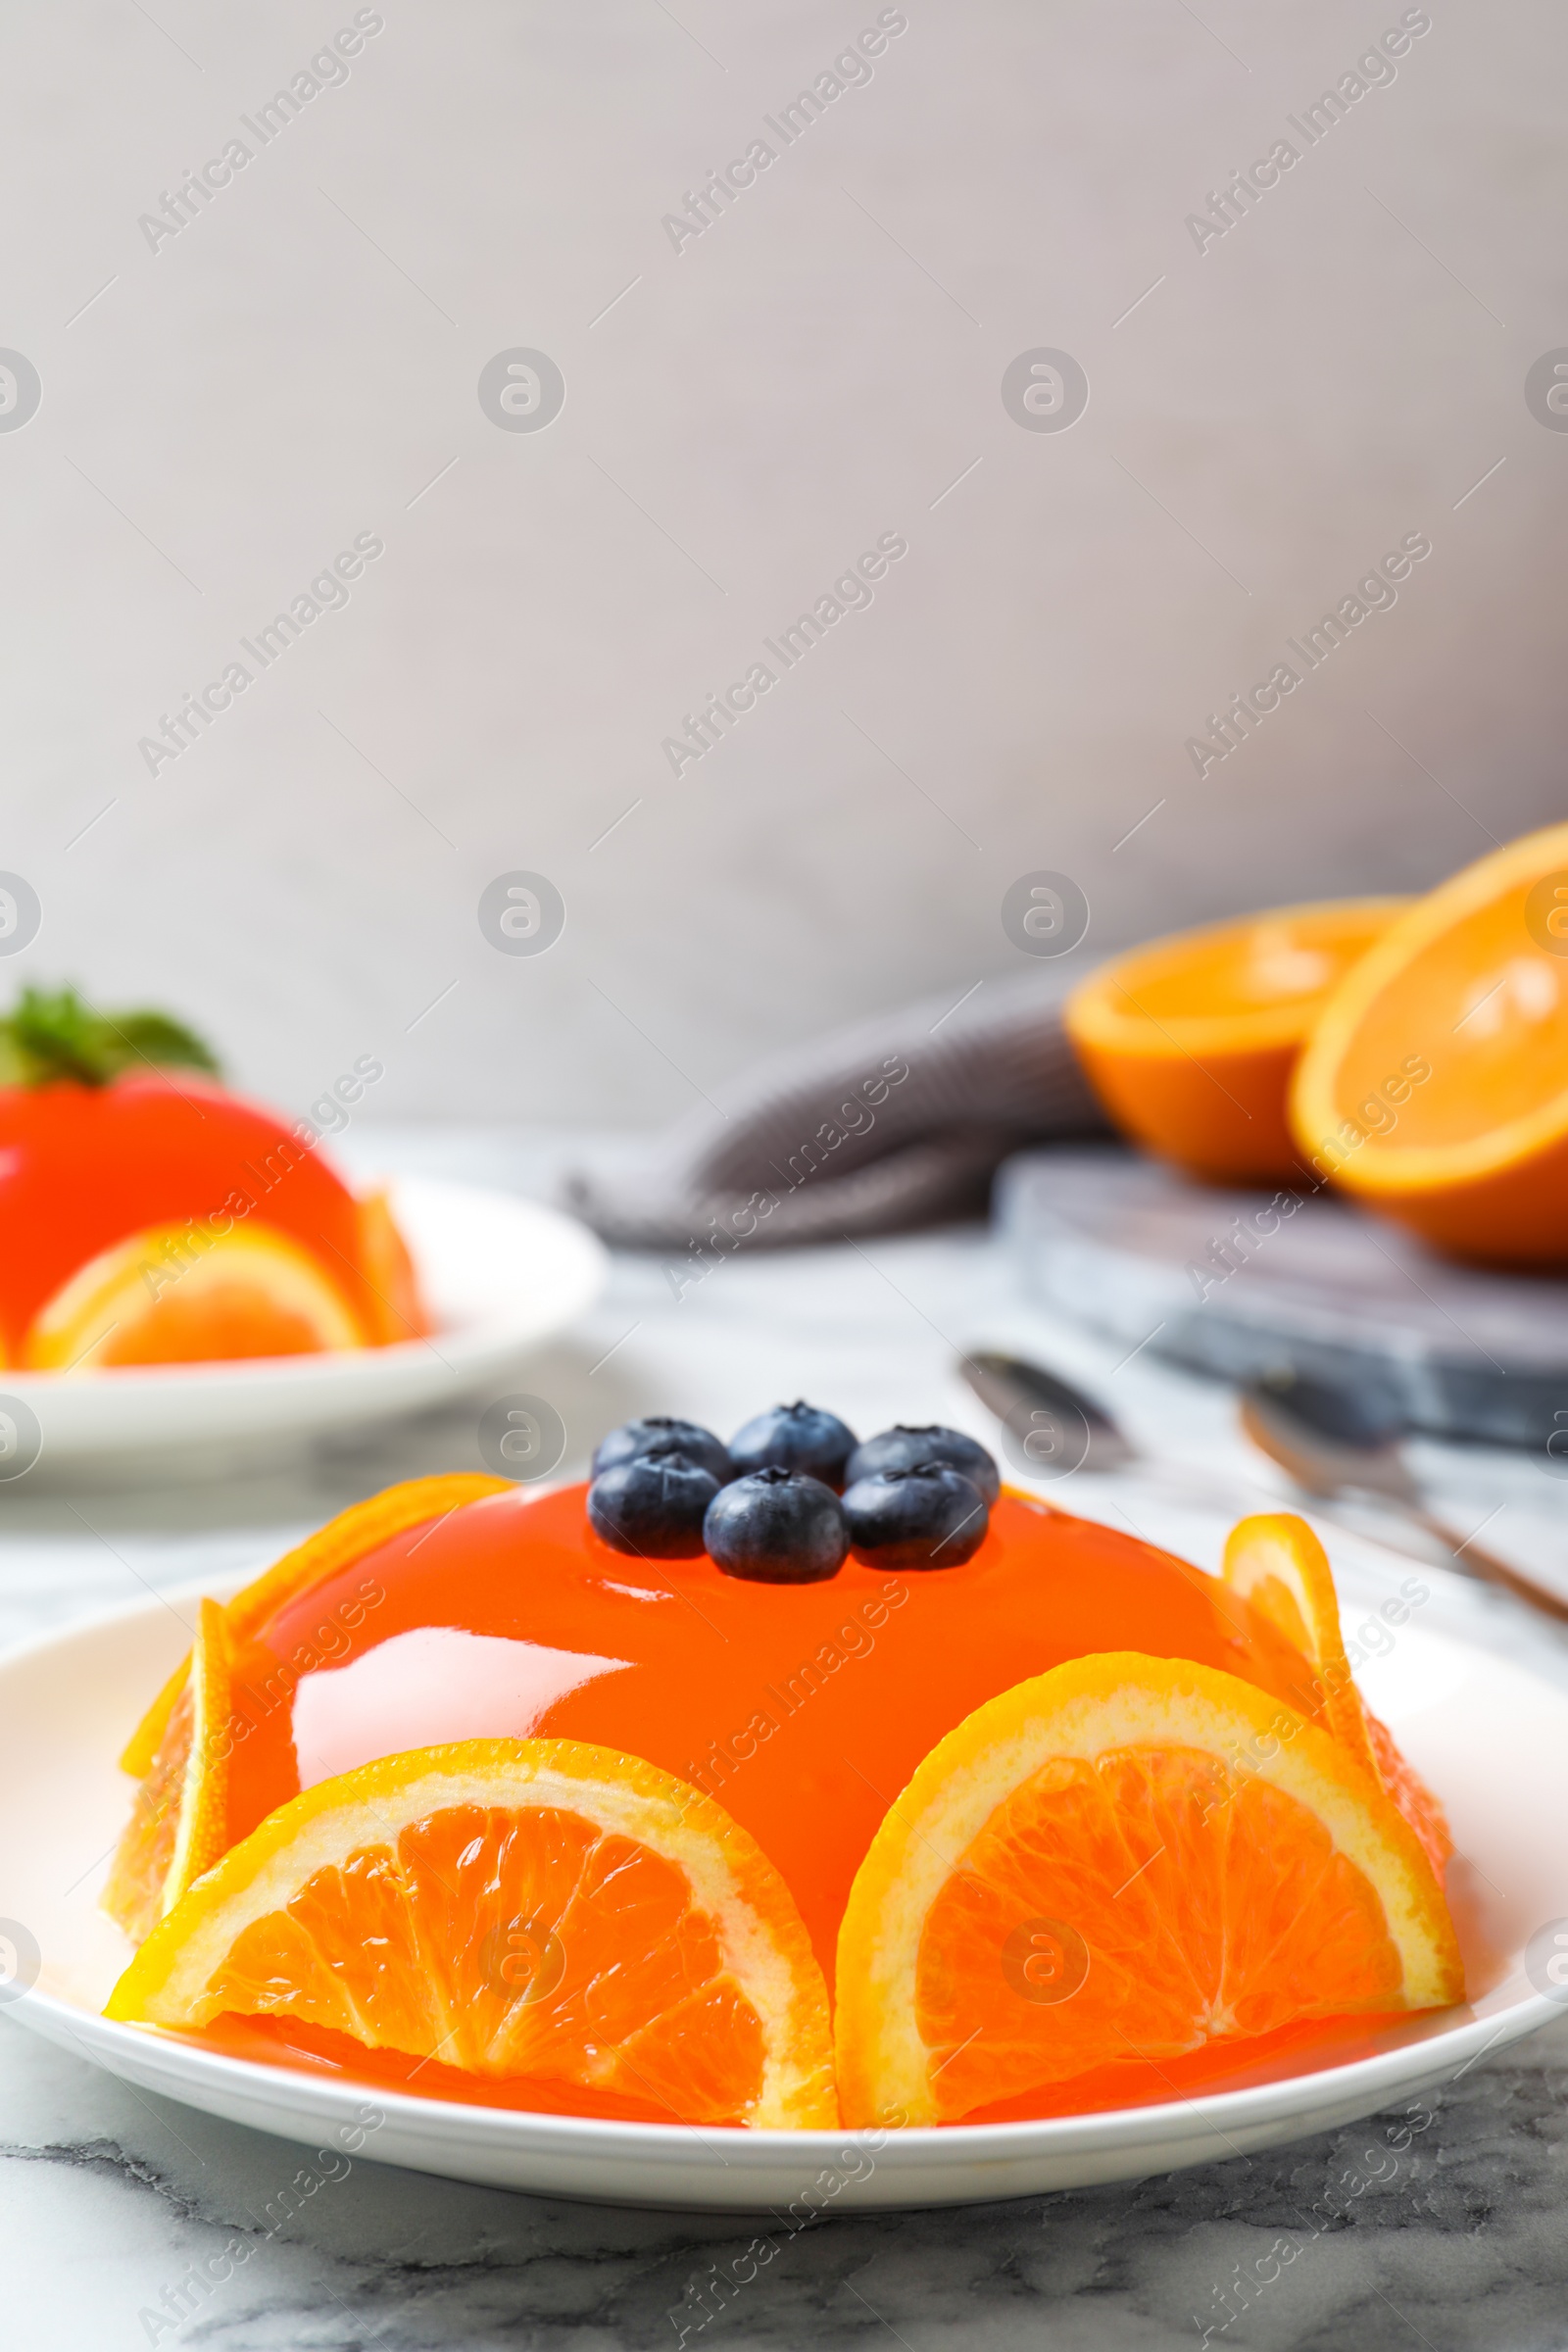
x=776 y=1527
x=903 y=1448
x=926 y=1516
x=652 y=1504
x=795 y=1436
x=633 y=1438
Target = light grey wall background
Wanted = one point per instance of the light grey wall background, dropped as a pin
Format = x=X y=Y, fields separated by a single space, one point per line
x=299 y=363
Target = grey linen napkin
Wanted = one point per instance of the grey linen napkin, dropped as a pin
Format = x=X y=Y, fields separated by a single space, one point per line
x=895 y=1121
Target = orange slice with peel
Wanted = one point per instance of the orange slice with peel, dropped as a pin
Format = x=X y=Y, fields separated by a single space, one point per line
x=1127 y=1856
x=1435 y=1083
x=178 y=1824
x=1275 y=1561
x=395 y=1307
x=170 y=1295
x=1189 y=1042
x=338 y=1544
x=514 y=1907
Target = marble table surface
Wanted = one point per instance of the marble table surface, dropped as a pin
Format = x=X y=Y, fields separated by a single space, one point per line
x=108 y=2196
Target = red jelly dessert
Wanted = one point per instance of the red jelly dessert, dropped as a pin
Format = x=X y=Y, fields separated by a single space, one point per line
x=147 y=1215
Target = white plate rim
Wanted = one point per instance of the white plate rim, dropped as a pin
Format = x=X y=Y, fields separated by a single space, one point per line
x=918 y=2145
x=583 y=1251
x=550 y=1268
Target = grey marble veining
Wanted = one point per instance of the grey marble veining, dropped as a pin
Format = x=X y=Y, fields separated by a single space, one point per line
x=112 y=2198
x=1451 y=2232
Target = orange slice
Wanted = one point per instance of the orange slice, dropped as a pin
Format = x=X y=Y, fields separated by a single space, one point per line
x=394 y=1303
x=1127 y=1856
x=1435 y=1085
x=161 y=1298
x=178 y=1824
x=338 y=1544
x=1189 y=1043
x=514 y=1908
x=1276 y=1562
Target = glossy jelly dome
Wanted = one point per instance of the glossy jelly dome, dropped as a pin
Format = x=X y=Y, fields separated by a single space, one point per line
x=83 y=1167
x=803 y=1709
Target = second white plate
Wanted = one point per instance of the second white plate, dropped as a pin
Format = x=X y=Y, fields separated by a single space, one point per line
x=499 y=1276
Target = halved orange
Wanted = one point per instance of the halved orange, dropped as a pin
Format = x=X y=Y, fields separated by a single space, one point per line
x=1435 y=1083
x=514 y=1908
x=1275 y=1561
x=180 y=1823
x=164 y=1297
x=338 y=1544
x=1125 y=1857
x=1189 y=1043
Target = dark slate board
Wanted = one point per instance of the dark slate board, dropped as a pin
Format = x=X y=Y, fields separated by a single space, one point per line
x=1229 y=1284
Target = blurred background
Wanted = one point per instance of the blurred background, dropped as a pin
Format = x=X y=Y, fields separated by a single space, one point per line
x=238 y=380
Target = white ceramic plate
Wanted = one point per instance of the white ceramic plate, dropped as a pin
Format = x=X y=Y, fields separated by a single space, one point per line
x=1493 y=1740
x=499 y=1275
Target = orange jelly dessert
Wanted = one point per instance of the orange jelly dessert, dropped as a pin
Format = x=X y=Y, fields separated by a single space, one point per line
x=147 y=1215
x=604 y=1800
x=803 y=1709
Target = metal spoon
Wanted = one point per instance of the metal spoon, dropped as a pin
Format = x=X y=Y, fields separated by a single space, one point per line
x=1349 y=1444
x=1056 y=1427
x=1336 y=1442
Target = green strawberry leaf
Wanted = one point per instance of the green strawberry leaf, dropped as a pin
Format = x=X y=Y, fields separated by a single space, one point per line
x=55 y=1036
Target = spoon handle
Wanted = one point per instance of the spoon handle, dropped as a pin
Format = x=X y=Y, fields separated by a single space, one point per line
x=1487 y=1565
